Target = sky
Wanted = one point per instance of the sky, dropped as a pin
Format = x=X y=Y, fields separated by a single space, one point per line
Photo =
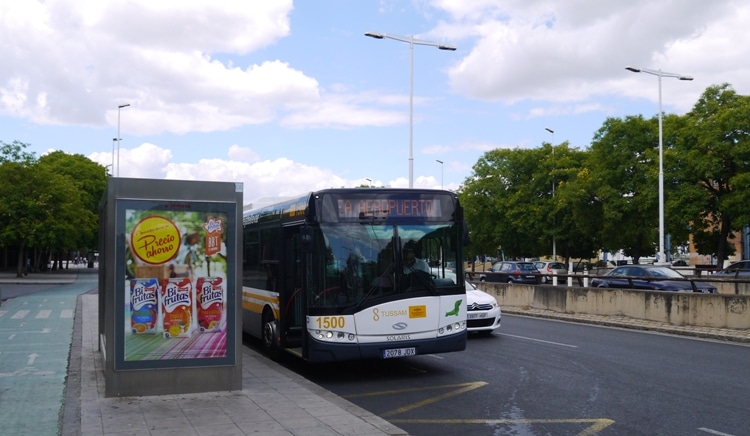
x=290 y=97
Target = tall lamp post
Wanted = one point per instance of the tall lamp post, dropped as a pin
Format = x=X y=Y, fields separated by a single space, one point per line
x=554 y=223
x=118 y=136
x=659 y=73
x=441 y=172
x=412 y=42
x=369 y=181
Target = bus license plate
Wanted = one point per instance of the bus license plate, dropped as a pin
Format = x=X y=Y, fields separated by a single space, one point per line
x=399 y=352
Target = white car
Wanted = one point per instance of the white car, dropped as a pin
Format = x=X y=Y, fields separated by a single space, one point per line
x=483 y=312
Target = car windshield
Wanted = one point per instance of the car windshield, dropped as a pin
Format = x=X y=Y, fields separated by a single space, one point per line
x=526 y=266
x=557 y=266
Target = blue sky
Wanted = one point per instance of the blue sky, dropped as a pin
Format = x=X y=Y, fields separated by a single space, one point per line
x=289 y=97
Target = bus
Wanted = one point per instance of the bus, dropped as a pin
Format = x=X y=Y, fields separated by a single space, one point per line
x=323 y=276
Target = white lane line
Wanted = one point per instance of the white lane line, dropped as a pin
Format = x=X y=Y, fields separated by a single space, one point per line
x=3 y=312
x=43 y=314
x=540 y=340
x=20 y=314
x=708 y=430
x=66 y=313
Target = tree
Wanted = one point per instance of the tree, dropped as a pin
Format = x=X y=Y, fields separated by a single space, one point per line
x=89 y=180
x=624 y=165
x=498 y=200
x=14 y=152
x=712 y=169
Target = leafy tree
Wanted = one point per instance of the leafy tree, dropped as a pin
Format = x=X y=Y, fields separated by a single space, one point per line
x=712 y=169
x=505 y=200
x=89 y=180
x=624 y=166
x=575 y=216
x=14 y=152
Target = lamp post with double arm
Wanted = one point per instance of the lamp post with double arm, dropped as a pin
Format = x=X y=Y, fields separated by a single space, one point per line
x=659 y=73
x=412 y=42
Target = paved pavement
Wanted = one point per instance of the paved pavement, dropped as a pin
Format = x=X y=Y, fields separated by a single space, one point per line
x=52 y=378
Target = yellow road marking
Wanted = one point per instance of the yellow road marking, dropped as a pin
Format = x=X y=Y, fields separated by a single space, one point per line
x=596 y=426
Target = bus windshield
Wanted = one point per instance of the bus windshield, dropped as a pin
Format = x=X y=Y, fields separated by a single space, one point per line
x=363 y=264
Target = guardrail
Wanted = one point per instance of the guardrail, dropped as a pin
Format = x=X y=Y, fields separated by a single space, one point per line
x=737 y=285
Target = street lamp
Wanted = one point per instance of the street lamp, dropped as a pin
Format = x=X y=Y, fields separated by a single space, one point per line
x=369 y=181
x=118 y=136
x=554 y=223
x=412 y=42
x=659 y=73
x=441 y=172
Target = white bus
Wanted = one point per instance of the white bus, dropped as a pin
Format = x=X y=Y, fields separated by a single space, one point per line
x=323 y=276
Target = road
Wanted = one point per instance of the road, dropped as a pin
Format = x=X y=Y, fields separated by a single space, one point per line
x=538 y=377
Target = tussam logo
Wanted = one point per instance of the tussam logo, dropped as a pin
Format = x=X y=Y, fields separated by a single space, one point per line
x=400 y=326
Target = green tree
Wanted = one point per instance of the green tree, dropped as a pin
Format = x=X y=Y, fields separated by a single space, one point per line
x=574 y=217
x=624 y=166
x=508 y=203
x=712 y=169
x=14 y=152
x=89 y=180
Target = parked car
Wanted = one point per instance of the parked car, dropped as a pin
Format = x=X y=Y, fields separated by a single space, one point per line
x=735 y=270
x=511 y=271
x=483 y=313
x=550 y=268
x=651 y=277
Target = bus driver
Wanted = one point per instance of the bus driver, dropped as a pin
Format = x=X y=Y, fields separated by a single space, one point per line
x=412 y=262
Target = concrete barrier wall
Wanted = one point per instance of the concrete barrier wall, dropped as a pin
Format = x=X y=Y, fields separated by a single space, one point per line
x=708 y=310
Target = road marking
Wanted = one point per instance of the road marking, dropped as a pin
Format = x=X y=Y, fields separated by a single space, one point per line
x=708 y=430
x=25 y=371
x=596 y=426
x=540 y=340
x=32 y=358
x=43 y=314
x=462 y=387
x=20 y=314
x=3 y=312
x=66 y=313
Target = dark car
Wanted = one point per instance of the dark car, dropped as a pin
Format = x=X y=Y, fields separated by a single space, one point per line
x=650 y=277
x=510 y=271
x=735 y=270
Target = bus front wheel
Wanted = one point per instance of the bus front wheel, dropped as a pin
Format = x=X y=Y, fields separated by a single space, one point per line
x=269 y=333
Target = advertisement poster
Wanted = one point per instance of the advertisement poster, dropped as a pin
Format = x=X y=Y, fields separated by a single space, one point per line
x=177 y=281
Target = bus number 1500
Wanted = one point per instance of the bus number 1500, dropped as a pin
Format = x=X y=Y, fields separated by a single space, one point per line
x=330 y=322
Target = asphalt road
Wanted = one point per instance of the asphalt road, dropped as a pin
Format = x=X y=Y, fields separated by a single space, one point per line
x=539 y=377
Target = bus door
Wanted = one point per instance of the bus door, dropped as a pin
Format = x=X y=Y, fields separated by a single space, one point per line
x=293 y=313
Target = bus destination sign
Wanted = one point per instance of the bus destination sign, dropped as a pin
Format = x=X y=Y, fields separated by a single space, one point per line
x=383 y=208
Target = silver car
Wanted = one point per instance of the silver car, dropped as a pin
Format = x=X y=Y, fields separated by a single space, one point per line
x=549 y=269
